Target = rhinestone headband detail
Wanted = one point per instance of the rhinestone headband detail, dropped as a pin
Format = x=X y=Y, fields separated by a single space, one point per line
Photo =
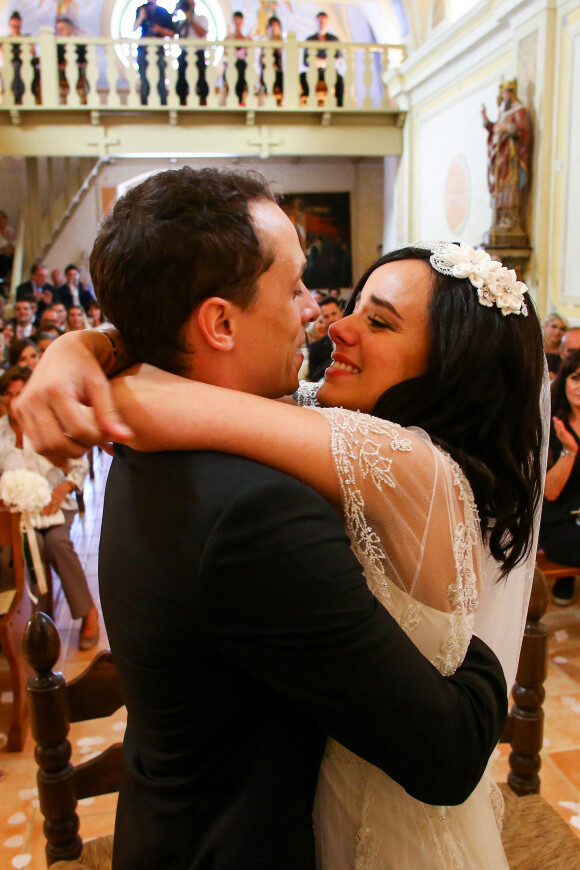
x=495 y=284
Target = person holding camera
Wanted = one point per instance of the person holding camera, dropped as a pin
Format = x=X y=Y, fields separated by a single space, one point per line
x=154 y=21
x=191 y=27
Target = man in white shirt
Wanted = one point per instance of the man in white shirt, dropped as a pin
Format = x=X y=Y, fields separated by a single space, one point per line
x=23 y=320
x=73 y=292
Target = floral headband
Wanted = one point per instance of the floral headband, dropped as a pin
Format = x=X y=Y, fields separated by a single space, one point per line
x=495 y=283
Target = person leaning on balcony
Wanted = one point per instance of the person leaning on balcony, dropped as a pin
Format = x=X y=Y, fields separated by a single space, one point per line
x=191 y=27
x=64 y=27
x=17 y=85
x=274 y=27
x=241 y=55
x=322 y=35
x=154 y=21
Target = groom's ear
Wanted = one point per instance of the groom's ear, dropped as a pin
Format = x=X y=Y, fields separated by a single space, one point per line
x=216 y=320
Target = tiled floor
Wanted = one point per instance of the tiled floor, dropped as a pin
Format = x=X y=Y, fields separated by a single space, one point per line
x=21 y=837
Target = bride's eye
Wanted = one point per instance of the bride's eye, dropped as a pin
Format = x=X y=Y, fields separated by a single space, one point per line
x=379 y=324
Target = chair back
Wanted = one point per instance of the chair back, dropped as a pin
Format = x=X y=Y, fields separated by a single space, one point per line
x=54 y=705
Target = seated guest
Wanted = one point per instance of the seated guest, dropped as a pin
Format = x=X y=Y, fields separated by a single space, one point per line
x=5 y=341
x=316 y=330
x=74 y=292
x=36 y=286
x=560 y=532
x=23 y=320
x=570 y=341
x=319 y=353
x=45 y=338
x=58 y=317
x=553 y=328
x=57 y=277
x=75 y=319
x=54 y=542
x=51 y=318
x=24 y=352
x=95 y=315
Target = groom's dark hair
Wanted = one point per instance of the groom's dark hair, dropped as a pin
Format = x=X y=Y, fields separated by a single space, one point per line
x=179 y=237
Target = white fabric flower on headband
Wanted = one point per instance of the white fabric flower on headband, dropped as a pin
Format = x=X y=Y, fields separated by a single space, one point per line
x=495 y=284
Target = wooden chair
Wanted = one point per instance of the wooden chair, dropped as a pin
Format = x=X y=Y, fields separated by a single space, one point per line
x=54 y=705
x=15 y=611
x=554 y=570
x=535 y=836
x=525 y=725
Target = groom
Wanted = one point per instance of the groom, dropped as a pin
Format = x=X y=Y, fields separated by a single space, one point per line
x=240 y=622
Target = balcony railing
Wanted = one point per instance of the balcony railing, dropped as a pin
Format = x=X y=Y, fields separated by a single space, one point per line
x=95 y=73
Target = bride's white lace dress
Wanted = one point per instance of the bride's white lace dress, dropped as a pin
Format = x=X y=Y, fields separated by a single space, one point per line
x=413 y=524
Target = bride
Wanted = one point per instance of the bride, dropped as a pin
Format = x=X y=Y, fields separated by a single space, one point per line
x=427 y=435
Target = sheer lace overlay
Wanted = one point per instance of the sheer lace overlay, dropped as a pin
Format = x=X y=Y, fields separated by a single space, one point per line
x=413 y=525
x=412 y=521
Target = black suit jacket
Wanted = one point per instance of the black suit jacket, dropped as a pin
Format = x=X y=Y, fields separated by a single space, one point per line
x=27 y=289
x=64 y=295
x=244 y=632
x=319 y=357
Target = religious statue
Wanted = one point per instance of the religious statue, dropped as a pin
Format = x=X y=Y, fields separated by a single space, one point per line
x=508 y=171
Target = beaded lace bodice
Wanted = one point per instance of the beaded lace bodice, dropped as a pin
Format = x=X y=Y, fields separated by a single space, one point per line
x=413 y=525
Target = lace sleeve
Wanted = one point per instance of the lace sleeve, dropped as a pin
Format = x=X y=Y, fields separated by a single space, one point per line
x=409 y=512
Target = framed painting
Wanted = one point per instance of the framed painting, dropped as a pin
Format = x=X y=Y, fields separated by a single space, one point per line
x=322 y=221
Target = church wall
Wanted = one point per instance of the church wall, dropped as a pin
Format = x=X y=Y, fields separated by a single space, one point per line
x=363 y=180
x=452 y=194
x=565 y=214
x=444 y=167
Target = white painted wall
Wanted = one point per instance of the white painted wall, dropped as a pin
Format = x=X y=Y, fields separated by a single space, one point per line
x=570 y=285
x=76 y=240
x=452 y=133
x=12 y=184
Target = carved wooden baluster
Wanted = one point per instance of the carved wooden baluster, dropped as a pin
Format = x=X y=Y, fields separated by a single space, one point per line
x=49 y=722
x=527 y=715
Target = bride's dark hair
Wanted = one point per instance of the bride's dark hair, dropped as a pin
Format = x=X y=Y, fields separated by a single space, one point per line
x=479 y=399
